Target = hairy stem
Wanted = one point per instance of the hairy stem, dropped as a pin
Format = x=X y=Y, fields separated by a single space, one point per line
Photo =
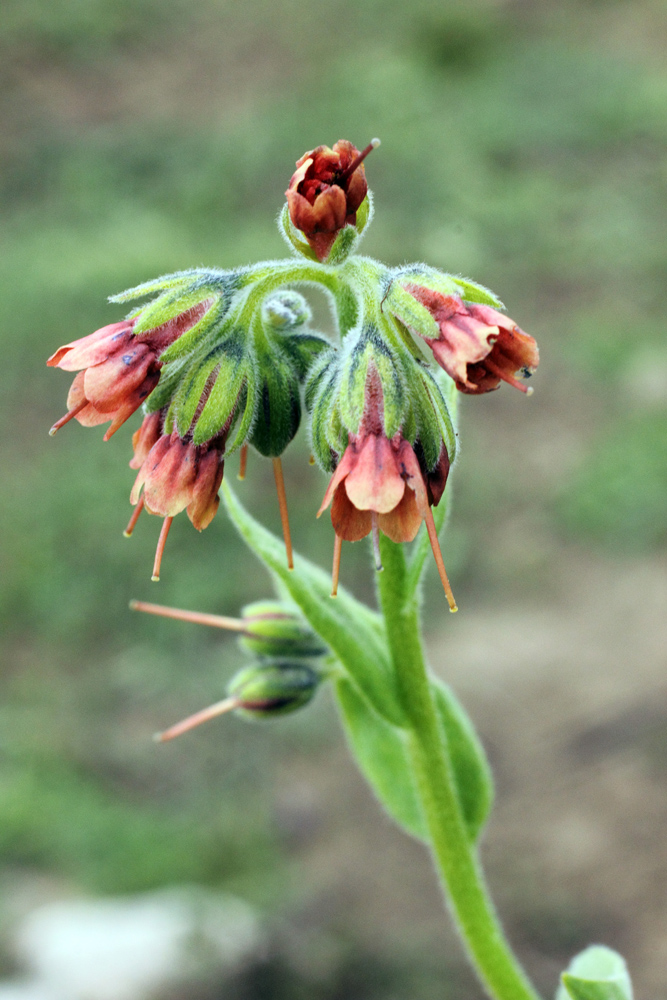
x=455 y=856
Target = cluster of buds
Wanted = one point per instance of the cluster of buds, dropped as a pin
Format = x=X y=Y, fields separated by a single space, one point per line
x=210 y=381
x=222 y=360
x=286 y=672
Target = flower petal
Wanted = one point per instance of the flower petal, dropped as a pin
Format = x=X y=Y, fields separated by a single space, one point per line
x=93 y=349
x=403 y=522
x=205 y=499
x=108 y=384
x=375 y=482
x=349 y=523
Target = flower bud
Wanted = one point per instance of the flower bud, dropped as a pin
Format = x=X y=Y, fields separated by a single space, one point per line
x=286 y=310
x=270 y=629
x=325 y=192
x=274 y=687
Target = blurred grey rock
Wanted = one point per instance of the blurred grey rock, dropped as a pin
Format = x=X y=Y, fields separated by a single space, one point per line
x=134 y=948
x=18 y=990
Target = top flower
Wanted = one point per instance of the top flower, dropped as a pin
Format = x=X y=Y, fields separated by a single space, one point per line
x=325 y=192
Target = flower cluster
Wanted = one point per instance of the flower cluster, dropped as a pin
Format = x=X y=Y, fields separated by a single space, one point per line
x=223 y=360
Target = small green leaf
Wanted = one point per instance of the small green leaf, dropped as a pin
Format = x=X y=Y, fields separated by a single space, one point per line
x=175 y=280
x=381 y=753
x=598 y=973
x=365 y=213
x=415 y=316
x=351 y=630
x=472 y=292
x=192 y=337
x=289 y=233
x=171 y=304
x=471 y=767
x=344 y=244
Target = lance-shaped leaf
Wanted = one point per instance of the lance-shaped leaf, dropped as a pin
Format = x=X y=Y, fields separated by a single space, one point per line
x=175 y=280
x=171 y=304
x=365 y=213
x=278 y=401
x=344 y=244
x=232 y=371
x=209 y=324
x=292 y=237
x=598 y=973
x=368 y=348
x=404 y=306
x=352 y=632
x=443 y=410
x=304 y=349
x=383 y=754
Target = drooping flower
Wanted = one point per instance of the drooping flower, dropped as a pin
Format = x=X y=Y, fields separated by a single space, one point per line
x=380 y=484
x=477 y=346
x=325 y=191
x=175 y=475
x=118 y=370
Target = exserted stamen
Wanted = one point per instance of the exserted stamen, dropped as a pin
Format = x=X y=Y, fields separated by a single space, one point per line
x=282 y=504
x=338 y=544
x=212 y=712
x=437 y=554
x=135 y=517
x=243 y=462
x=196 y=617
x=357 y=161
x=376 y=542
x=159 y=552
x=510 y=379
x=70 y=415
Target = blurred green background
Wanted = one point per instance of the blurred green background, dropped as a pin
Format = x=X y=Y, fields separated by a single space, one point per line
x=523 y=144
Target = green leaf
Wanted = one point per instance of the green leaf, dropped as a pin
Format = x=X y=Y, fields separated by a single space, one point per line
x=194 y=334
x=365 y=213
x=409 y=310
x=471 y=767
x=175 y=280
x=598 y=973
x=472 y=292
x=344 y=244
x=289 y=233
x=351 y=630
x=382 y=755
x=171 y=304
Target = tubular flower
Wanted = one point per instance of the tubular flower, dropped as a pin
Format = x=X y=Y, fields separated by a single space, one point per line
x=380 y=485
x=175 y=475
x=117 y=370
x=325 y=192
x=477 y=346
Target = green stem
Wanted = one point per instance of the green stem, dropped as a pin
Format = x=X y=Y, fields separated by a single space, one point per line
x=456 y=858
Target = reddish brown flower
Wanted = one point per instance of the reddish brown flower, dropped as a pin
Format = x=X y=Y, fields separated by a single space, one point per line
x=379 y=485
x=477 y=346
x=119 y=369
x=325 y=192
x=175 y=475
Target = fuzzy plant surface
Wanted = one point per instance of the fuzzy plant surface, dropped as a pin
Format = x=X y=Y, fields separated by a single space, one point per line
x=220 y=361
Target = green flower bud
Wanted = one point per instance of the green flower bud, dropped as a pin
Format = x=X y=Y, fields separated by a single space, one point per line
x=274 y=687
x=286 y=310
x=270 y=629
x=283 y=360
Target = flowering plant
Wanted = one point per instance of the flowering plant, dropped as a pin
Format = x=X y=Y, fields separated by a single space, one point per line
x=223 y=360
